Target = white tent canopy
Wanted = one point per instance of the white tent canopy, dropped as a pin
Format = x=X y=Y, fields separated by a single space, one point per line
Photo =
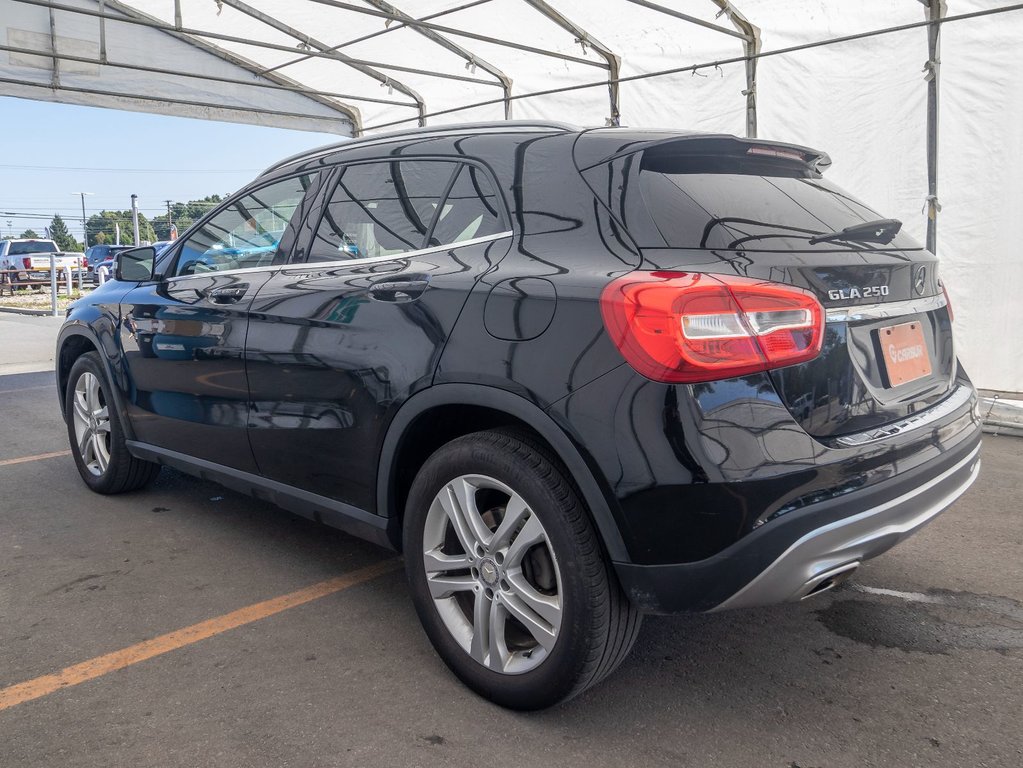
x=366 y=65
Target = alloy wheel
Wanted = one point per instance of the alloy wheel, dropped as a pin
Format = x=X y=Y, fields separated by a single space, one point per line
x=493 y=574
x=91 y=423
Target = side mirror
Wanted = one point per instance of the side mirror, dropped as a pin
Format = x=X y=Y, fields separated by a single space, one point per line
x=135 y=265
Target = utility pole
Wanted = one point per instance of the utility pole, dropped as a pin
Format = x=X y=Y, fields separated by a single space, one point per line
x=85 y=230
x=170 y=224
x=135 y=217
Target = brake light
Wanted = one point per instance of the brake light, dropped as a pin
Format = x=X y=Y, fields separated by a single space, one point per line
x=688 y=327
x=27 y=262
x=787 y=154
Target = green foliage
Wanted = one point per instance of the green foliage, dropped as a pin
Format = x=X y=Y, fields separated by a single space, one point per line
x=102 y=225
x=60 y=235
x=29 y=234
x=183 y=215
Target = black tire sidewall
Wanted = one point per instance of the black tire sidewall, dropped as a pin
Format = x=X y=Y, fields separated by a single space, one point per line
x=558 y=676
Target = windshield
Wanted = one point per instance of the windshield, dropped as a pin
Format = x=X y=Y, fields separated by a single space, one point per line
x=34 y=246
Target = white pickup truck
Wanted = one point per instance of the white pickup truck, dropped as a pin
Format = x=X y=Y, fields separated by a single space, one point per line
x=28 y=261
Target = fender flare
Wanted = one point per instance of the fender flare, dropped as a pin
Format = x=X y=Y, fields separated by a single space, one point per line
x=522 y=409
x=86 y=331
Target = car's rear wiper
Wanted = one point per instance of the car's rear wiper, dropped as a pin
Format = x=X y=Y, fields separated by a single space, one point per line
x=881 y=231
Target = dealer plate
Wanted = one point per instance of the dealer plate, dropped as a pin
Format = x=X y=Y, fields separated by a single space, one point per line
x=904 y=352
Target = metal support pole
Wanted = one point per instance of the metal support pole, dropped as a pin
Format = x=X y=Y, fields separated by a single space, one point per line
x=614 y=61
x=55 y=79
x=103 y=31
x=323 y=49
x=471 y=59
x=67 y=281
x=53 y=285
x=751 y=47
x=135 y=217
x=936 y=10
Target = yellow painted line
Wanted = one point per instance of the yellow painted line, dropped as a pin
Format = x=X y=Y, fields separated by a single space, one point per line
x=147 y=649
x=37 y=457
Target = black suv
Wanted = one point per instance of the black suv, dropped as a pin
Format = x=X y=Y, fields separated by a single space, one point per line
x=574 y=375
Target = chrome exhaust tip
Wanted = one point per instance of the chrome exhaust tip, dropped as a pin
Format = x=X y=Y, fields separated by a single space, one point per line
x=830 y=579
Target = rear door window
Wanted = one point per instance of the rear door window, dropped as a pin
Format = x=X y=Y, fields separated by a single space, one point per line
x=381 y=209
x=470 y=210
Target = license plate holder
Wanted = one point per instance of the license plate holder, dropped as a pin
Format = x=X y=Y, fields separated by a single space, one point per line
x=904 y=353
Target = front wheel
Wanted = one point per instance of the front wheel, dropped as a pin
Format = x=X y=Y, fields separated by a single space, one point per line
x=95 y=432
x=508 y=575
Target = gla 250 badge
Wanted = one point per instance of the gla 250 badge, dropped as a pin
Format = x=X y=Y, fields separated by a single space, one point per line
x=867 y=292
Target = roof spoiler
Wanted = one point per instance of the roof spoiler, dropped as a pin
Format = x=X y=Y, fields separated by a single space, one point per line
x=725 y=144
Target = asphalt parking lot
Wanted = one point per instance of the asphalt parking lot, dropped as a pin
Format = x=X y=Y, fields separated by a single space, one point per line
x=919 y=662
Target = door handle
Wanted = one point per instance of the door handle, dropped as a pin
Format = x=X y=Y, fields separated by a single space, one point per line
x=227 y=295
x=399 y=290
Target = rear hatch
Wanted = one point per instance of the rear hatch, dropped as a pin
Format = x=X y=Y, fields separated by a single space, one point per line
x=720 y=204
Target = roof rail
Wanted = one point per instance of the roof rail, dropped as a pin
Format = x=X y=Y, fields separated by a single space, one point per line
x=439 y=130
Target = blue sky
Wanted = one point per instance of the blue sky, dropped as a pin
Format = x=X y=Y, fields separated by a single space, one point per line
x=156 y=157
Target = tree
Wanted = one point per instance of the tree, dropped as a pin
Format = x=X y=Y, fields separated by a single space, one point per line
x=29 y=234
x=103 y=223
x=184 y=214
x=60 y=235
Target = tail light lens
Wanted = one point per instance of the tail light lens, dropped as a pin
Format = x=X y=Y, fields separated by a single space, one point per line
x=27 y=263
x=948 y=301
x=688 y=327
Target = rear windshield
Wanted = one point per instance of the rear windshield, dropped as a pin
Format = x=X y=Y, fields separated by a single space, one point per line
x=749 y=204
x=38 y=246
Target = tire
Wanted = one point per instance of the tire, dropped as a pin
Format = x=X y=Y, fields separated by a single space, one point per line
x=96 y=435
x=520 y=601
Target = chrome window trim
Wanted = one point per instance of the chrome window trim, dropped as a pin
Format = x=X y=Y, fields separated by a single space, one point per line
x=316 y=265
x=888 y=309
x=959 y=397
x=305 y=266
x=215 y=272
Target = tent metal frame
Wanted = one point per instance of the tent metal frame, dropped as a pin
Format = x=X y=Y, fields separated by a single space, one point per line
x=935 y=12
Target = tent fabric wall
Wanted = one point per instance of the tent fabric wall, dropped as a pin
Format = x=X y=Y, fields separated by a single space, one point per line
x=863 y=101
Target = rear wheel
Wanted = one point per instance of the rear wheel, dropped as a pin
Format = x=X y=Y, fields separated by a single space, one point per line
x=95 y=432
x=508 y=575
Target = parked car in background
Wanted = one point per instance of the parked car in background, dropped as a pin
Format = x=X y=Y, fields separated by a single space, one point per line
x=27 y=261
x=99 y=253
x=574 y=375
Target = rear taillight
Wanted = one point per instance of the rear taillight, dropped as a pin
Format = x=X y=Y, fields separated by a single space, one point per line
x=948 y=301
x=689 y=327
x=27 y=262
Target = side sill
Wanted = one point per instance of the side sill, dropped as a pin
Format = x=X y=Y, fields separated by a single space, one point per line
x=331 y=512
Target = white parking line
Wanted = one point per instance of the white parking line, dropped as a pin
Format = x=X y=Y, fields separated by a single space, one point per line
x=912 y=597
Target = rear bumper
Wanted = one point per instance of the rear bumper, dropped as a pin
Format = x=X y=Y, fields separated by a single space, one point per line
x=808 y=550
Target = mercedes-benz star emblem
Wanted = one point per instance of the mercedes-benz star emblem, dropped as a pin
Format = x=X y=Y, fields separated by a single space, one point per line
x=920 y=280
